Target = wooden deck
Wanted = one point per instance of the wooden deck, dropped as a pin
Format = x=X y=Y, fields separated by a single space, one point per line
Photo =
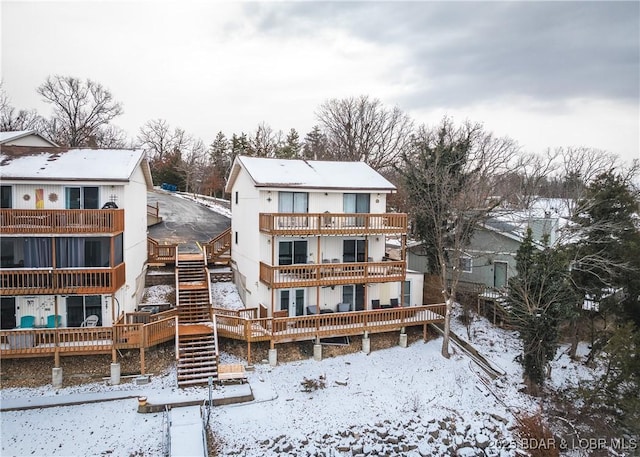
x=83 y=281
x=47 y=342
x=312 y=224
x=232 y=324
x=61 y=221
x=331 y=274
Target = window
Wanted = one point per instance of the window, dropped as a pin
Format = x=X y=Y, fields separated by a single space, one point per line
x=81 y=197
x=236 y=197
x=37 y=252
x=466 y=264
x=406 y=295
x=293 y=202
x=354 y=295
x=79 y=307
x=353 y=250
x=356 y=203
x=290 y=252
x=6 y=198
x=236 y=237
x=83 y=252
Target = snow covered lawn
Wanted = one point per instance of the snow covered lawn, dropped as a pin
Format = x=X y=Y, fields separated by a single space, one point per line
x=398 y=401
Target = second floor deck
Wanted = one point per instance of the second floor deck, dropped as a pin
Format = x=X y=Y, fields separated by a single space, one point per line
x=331 y=274
x=27 y=281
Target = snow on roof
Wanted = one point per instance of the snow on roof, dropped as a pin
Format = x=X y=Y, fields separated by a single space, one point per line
x=61 y=164
x=312 y=174
x=6 y=137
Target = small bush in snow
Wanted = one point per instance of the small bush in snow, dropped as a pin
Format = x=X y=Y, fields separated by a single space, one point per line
x=309 y=385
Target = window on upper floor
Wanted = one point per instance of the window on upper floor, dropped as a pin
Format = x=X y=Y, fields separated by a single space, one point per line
x=6 y=197
x=84 y=252
x=293 y=202
x=466 y=264
x=81 y=197
x=353 y=250
x=356 y=203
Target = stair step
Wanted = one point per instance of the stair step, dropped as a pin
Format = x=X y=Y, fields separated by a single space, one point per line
x=201 y=348
x=203 y=374
x=199 y=358
x=198 y=370
x=197 y=375
x=195 y=382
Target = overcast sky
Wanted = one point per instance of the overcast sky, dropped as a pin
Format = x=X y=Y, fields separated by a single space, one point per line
x=547 y=74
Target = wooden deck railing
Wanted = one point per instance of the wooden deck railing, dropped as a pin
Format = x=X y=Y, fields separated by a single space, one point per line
x=37 y=342
x=219 y=248
x=232 y=324
x=61 y=221
x=310 y=224
x=328 y=274
x=24 y=281
x=157 y=252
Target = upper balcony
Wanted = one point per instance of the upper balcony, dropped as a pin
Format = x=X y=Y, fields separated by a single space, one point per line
x=312 y=224
x=61 y=221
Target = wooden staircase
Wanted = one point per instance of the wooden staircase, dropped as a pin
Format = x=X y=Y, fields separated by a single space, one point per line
x=197 y=336
x=218 y=250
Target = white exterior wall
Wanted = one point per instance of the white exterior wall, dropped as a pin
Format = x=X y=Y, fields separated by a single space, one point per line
x=135 y=238
x=254 y=247
x=54 y=193
x=132 y=197
x=245 y=253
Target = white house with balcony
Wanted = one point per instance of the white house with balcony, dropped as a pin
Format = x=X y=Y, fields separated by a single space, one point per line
x=74 y=234
x=309 y=237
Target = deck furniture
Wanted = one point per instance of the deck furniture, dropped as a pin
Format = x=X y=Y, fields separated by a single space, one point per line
x=54 y=321
x=27 y=322
x=90 y=321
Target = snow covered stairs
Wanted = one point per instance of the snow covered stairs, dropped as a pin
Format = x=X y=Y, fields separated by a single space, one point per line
x=197 y=336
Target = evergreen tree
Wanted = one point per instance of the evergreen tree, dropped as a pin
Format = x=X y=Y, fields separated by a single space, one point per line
x=315 y=145
x=291 y=148
x=607 y=250
x=538 y=299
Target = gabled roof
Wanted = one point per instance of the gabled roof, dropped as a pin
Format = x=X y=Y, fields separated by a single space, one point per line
x=8 y=137
x=309 y=174
x=65 y=164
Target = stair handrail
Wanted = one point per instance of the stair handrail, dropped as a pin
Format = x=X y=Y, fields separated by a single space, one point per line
x=222 y=240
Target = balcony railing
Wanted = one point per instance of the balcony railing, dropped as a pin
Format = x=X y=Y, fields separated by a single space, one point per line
x=163 y=253
x=232 y=324
x=24 y=281
x=330 y=274
x=61 y=221
x=309 y=224
x=85 y=340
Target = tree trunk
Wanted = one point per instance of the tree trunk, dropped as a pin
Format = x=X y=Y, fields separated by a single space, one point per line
x=447 y=327
x=573 y=331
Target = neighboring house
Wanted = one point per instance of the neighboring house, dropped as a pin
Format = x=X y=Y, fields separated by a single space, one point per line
x=74 y=234
x=309 y=236
x=24 y=138
x=490 y=258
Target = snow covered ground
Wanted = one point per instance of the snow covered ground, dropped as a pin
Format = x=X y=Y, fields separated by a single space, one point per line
x=402 y=401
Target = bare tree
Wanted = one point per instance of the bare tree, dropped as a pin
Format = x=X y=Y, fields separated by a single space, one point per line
x=193 y=165
x=450 y=179
x=265 y=142
x=82 y=110
x=12 y=120
x=361 y=129
x=157 y=138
